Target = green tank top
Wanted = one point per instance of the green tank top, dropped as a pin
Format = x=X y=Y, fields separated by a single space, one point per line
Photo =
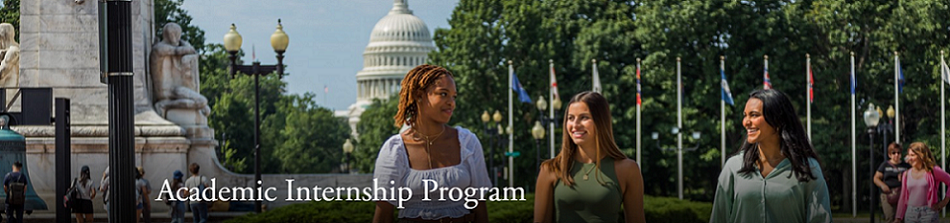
x=596 y=199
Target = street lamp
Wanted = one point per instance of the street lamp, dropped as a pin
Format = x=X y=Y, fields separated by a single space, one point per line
x=347 y=150
x=871 y=118
x=232 y=43
x=538 y=133
x=493 y=133
x=550 y=121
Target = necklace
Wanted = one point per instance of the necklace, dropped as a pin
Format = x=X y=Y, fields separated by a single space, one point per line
x=588 y=172
x=428 y=143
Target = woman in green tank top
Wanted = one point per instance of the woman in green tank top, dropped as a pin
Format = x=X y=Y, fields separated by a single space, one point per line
x=590 y=179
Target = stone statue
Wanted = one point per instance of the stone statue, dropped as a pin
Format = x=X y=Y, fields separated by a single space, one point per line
x=175 y=74
x=9 y=57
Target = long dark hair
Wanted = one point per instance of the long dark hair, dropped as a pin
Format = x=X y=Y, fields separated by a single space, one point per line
x=604 y=140
x=793 y=142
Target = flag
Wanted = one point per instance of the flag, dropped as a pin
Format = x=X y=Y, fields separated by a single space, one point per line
x=553 y=83
x=901 y=81
x=518 y=88
x=767 y=82
x=853 y=82
x=811 y=86
x=726 y=93
x=597 y=87
x=326 y=89
x=945 y=70
x=638 y=83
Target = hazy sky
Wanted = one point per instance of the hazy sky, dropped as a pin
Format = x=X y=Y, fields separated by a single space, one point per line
x=327 y=37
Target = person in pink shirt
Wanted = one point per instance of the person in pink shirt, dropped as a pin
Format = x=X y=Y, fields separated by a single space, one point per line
x=919 y=201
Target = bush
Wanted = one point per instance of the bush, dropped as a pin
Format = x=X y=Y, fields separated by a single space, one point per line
x=656 y=209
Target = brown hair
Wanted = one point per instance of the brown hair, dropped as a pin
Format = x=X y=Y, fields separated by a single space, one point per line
x=193 y=168
x=604 y=140
x=923 y=155
x=894 y=147
x=413 y=87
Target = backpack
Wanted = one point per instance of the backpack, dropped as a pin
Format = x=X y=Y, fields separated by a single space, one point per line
x=204 y=194
x=17 y=194
x=72 y=196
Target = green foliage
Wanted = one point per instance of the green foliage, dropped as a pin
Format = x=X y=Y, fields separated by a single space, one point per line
x=375 y=127
x=312 y=138
x=10 y=13
x=296 y=135
x=485 y=34
x=656 y=209
x=170 y=11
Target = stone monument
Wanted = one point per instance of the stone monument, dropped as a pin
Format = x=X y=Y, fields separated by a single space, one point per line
x=9 y=57
x=174 y=71
x=60 y=50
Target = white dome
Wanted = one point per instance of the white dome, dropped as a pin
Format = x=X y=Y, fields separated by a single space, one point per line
x=399 y=42
x=400 y=25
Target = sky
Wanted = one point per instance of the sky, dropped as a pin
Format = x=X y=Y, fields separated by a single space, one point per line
x=327 y=37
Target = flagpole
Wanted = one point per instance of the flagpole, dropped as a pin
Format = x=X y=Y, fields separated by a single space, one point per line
x=854 y=168
x=551 y=94
x=638 y=113
x=897 y=100
x=765 y=76
x=808 y=88
x=679 y=125
x=511 y=141
x=596 y=79
x=943 y=127
x=722 y=117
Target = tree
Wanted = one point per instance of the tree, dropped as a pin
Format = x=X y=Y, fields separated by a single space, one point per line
x=485 y=34
x=310 y=137
x=375 y=127
x=170 y=11
x=10 y=13
x=289 y=122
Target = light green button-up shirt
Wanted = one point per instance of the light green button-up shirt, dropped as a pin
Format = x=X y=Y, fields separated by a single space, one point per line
x=779 y=197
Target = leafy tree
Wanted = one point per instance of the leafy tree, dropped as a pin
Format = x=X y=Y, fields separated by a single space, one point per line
x=485 y=34
x=170 y=11
x=310 y=137
x=288 y=122
x=10 y=13
x=375 y=127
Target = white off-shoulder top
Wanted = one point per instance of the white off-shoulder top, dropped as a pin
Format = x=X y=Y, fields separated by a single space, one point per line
x=392 y=164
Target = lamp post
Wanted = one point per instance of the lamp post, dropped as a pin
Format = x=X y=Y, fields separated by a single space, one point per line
x=232 y=43
x=679 y=150
x=347 y=151
x=492 y=134
x=550 y=121
x=871 y=118
x=538 y=133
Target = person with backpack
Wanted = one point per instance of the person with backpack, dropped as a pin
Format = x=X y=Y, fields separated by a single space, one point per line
x=14 y=185
x=86 y=191
x=199 y=209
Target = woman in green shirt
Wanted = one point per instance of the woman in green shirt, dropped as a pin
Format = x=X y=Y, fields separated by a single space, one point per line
x=757 y=185
x=590 y=178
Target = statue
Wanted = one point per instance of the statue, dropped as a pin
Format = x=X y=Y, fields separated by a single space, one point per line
x=175 y=74
x=9 y=57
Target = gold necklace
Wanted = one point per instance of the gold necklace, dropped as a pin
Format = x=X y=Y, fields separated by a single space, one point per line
x=588 y=172
x=429 y=143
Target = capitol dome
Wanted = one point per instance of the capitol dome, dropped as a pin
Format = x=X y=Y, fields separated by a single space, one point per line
x=399 y=42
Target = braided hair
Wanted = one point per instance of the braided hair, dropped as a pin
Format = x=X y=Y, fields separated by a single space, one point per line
x=413 y=88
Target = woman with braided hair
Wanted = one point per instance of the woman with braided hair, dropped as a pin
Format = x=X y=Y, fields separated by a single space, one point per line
x=429 y=149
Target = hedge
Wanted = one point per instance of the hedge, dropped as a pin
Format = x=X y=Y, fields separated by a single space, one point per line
x=656 y=209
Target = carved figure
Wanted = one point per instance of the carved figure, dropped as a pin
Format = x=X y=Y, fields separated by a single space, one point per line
x=9 y=56
x=174 y=66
